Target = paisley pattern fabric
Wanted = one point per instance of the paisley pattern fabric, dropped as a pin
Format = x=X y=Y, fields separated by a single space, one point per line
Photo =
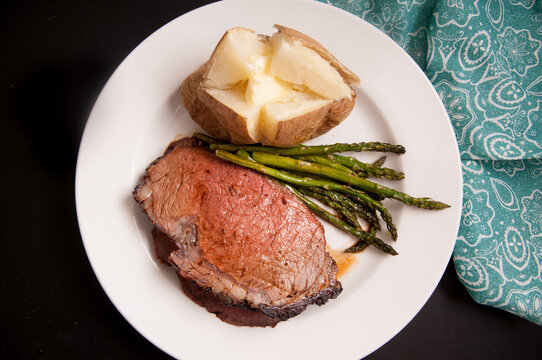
x=483 y=57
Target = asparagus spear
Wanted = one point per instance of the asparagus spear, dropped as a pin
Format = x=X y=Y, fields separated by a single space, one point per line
x=314 y=150
x=360 y=245
x=308 y=182
x=376 y=205
x=368 y=169
x=352 y=180
x=208 y=139
x=345 y=213
x=380 y=161
x=363 y=211
x=326 y=161
x=348 y=203
x=242 y=153
x=334 y=220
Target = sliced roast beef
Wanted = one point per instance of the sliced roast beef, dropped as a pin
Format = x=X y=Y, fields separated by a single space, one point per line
x=235 y=315
x=236 y=232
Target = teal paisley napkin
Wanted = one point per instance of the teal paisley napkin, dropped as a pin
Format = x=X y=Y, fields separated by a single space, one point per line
x=483 y=58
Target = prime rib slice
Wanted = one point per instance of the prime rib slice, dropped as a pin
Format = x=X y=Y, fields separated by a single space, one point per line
x=235 y=315
x=237 y=233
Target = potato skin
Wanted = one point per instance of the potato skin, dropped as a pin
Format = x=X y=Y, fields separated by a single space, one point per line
x=312 y=124
x=213 y=116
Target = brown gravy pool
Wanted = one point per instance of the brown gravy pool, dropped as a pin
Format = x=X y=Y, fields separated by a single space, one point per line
x=344 y=261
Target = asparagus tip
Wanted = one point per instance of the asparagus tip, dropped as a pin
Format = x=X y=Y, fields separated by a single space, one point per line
x=434 y=205
x=356 y=249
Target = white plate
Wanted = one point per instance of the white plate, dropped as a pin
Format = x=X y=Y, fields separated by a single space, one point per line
x=139 y=112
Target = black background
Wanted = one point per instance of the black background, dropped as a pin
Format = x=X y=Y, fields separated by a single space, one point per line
x=55 y=58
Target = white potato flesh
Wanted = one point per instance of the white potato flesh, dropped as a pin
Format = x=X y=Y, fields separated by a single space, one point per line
x=297 y=64
x=231 y=61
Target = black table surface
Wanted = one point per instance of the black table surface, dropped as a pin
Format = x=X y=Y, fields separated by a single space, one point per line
x=55 y=58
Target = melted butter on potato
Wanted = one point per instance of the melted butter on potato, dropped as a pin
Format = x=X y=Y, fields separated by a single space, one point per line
x=277 y=90
x=262 y=87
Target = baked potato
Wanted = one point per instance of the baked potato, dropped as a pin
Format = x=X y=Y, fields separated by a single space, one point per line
x=277 y=90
